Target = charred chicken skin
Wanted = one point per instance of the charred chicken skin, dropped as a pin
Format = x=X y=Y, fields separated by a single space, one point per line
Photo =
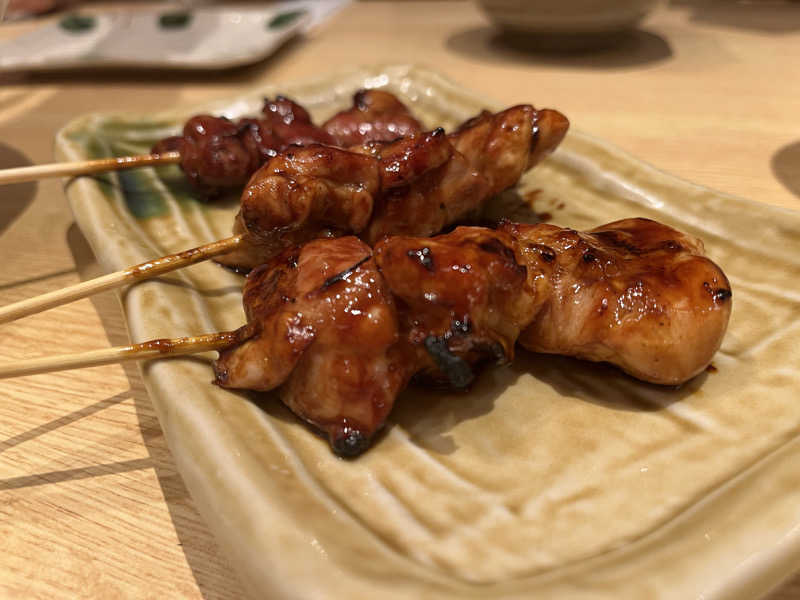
x=459 y=299
x=218 y=154
x=416 y=185
x=322 y=325
x=340 y=329
x=327 y=329
x=634 y=293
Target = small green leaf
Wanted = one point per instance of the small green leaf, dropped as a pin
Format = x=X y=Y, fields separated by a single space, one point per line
x=284 y=19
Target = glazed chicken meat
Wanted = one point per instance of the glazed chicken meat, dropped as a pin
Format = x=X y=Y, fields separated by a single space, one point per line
x=416 y=185
x=340 y=329
x=322 y=325
x=218 y=154
x=376 y=115
x=326 y=328
x=458 y=300
x=634 y=293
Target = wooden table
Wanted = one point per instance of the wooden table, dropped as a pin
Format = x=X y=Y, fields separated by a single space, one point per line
x=91 y=505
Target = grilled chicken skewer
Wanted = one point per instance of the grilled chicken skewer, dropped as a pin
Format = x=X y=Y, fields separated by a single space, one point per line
x=219 y=155
x=340 y=329
x=416 y=185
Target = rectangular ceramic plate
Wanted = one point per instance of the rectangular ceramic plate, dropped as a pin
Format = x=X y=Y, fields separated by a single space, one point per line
x=552 y=477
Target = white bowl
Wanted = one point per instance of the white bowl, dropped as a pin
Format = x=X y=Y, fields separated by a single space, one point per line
x=567 y=16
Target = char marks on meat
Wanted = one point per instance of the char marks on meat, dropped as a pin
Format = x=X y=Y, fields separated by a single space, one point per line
x=416 y=185
x=323 y=326
x=460 y=299
x=340 y=330
x=634 y=293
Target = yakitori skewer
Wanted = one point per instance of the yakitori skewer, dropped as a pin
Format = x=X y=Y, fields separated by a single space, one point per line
x=339 y=328
x=218 y=154
x=145 y=270
x=93 y=358
x=86 y=167
x=416 y=185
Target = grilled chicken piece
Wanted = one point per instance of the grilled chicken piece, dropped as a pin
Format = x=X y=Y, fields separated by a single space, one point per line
x=403 y=161
x=218 y=154
x=376 y=115
x=341 y=331
x=292 y=124
x=502 y=146
x=322 y=326
x=305 y=193
x=490 y=153
x=461 y=298
x=634 y=293
x=416 y=185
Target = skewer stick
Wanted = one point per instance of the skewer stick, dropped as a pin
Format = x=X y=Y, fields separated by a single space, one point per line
x=86 y=167
x=145 y=350
x=146 y=270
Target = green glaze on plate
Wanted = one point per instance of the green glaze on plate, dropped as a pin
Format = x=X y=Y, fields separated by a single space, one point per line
x=175 y=20
x=284 y=19
x=136 y=188
x=76 y=23
x=552 y=478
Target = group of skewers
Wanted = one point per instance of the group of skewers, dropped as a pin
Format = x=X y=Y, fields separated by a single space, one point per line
x=365 y=273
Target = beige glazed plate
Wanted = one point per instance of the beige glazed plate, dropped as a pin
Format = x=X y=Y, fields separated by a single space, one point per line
x=552 y=477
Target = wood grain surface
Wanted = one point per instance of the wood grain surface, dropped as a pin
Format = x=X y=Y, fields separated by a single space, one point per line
x=91 y=505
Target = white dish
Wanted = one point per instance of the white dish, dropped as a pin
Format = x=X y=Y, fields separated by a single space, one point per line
x=567 y=16
x=200 y=38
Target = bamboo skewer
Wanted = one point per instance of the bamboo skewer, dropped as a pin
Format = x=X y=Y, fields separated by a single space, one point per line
x=145 y=350
x=146 y=270
x=86 y=167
